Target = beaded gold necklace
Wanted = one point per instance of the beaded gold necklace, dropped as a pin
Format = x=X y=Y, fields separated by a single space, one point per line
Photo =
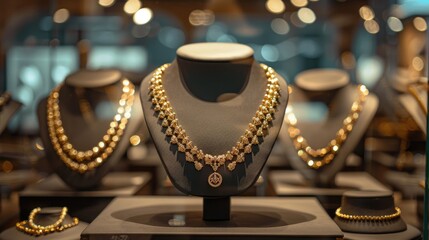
x=177 y=135
x=351 y=217
x=84 y=161
x=316 y=158
x=31 y=228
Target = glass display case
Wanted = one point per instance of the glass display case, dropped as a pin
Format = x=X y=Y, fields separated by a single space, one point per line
x=291 y=119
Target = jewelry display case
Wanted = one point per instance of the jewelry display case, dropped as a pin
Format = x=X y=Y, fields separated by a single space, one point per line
x=262 y=119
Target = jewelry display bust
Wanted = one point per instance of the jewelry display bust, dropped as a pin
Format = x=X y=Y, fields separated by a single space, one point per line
x=318 y=147
x=8 y=107
x=82 y=142
x=369 y=212
x=213 y=91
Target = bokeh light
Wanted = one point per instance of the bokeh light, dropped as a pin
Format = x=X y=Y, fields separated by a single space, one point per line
x=61 y=15
x=306 y=15
x=275 y=6
x=143 y=16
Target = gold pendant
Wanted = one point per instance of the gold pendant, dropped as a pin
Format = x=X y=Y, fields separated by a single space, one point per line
x=215 y=179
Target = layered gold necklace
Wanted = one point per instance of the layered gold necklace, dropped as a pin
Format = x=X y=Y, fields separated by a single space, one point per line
x=87 y=160
x=177 y=135
x=316 y=158
x=31 y=228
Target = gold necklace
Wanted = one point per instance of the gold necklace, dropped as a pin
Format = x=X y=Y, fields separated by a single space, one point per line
x=316 y=158
x=397 y=213
x=253 y=134
x=83 y=161
x=31 y=228
x=4 y=99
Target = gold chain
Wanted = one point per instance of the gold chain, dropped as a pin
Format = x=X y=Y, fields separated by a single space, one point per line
x=316 y=158
x=35 y=211
x=253 y=134
x=31 y=228
x=339 y=214
x=83 y=161
x=4 y=99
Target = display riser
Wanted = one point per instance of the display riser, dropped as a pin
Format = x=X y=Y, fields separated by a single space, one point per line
x=86 y=205
x=153 y=217
x=291 y=184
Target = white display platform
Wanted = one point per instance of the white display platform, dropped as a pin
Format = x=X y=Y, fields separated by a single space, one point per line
x=164 y=217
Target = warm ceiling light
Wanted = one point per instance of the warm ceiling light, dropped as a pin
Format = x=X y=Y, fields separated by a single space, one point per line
x=395 y=24
x=299 y=3
x=61 y=15
x=306 y=15
x=201 y=17
x=106 y=3
x=132 y=6
x=420 y=24
x=371 y=26
x=142 y=16
x=366 y=13
x=275 y=6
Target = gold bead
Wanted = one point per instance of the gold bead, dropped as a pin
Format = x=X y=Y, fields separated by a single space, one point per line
x=198 y=165
x=231 y=166
x=181 y=147
x=240 y=158
x=169 y=131
x=255 y=140
x=189 y=157
x=248 y=148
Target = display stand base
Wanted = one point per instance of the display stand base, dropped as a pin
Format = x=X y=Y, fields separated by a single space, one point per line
x=292 y=184
x=153 y=217
x=68 y=234
x=411 y=233
x=86 y=205
x=216 y=209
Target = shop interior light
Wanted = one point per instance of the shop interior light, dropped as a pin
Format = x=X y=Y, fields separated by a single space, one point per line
x=106 y=3
x=371 y=26
x=132 y=6
x=306 y=15
x=61 y=15
x=275 y=6
x=299 y=3
x=395 y=24
x=280 y=26
x=366 y=13
x=420 y=24
x=201 y=17
x=142 y=16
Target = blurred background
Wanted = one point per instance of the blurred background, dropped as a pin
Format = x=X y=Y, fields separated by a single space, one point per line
x=382 y=44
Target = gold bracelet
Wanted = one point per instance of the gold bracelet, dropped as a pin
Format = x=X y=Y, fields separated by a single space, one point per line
x=35 y=211
x=339 y=214
x=29 y=227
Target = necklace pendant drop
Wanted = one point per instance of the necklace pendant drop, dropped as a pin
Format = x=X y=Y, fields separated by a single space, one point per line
x=215 y=179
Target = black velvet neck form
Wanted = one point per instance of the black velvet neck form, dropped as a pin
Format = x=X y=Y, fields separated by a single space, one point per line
x=214 y=126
